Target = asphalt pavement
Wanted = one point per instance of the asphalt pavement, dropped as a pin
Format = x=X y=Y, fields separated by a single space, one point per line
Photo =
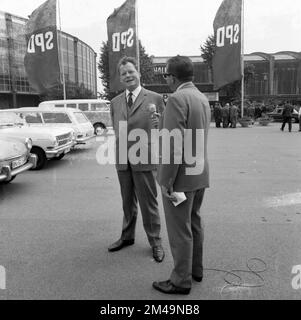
x=56 y=225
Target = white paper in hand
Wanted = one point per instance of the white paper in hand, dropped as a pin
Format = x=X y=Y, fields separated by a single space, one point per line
x=181 y=197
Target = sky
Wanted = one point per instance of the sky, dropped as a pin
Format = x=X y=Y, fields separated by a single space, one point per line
x=171 y=27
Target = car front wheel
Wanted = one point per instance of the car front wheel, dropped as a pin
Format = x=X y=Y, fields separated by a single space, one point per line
x=41 y=157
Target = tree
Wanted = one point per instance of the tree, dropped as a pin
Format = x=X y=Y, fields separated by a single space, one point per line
x=146 y=68
x=207 y=52
x=103 y=67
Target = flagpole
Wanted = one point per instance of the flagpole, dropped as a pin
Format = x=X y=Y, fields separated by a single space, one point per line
x=61 y=49
x=137 y=36
x=242 y=59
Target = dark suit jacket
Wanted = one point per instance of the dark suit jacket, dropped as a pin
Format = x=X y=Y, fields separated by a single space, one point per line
x=138 y=117
x=287 y=111
x=187 y=108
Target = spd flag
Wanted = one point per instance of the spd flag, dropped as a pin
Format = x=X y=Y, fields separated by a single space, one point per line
x=122 y=39
x=41 y=59
x=227 y=63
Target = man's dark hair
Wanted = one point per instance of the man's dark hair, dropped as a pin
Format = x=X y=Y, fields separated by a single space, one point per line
x=181 y=67
x=124 y=60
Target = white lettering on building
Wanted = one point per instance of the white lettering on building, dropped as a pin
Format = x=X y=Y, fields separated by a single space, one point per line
x=2 y=278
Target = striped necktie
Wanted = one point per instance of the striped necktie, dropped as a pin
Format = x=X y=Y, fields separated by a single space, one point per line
x=130 y=100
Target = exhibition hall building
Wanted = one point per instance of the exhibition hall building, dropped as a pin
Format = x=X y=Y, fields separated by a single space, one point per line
x=79 y=61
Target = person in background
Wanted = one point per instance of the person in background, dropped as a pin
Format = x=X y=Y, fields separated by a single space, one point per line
x=233 y=115
x=263 y=110
x=287 y=116
x=299 y=116
x=187 y=112
x=217 y=114
x=137 y=181
x=257 y=111
x=225 y=115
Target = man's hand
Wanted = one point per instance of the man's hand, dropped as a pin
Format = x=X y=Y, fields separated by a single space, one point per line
x=167 y=193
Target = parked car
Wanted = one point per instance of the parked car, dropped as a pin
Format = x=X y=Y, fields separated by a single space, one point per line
x=97 y=111
x=276 y=115
x=65 y=118
x=15 y=157
x=47 y=143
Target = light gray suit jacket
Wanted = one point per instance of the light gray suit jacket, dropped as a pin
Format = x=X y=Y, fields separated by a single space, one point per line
x=137 y=118
x=186 y=109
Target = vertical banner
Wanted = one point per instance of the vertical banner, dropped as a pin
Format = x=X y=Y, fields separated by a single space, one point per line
x=122 y=39
x=41 y=60
x=227 y=66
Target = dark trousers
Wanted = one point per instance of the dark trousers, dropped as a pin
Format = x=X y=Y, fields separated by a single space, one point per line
x=140 y=187
x=218 y=123
x=289 y=121
x=233 y=122
x=225 y=122
x=186 y=237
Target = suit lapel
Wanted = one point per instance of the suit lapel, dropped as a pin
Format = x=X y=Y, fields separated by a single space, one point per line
x=123 y=105
x=138 y=101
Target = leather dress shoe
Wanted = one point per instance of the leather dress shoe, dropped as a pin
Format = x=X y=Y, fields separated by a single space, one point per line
x=169 y=288
x=158 y=253
x=119 y=244
x=197 y=279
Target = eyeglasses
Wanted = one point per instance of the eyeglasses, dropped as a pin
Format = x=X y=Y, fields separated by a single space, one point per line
x=165 y=75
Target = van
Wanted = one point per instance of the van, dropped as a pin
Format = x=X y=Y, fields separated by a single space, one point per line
x=96 y=110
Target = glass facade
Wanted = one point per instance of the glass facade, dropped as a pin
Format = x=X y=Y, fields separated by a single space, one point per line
x=258 y=84
x=12 y=51
x=286 y=77
x=76 y=58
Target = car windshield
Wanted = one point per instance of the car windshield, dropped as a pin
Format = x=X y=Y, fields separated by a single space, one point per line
x=31 y=117
x=10 y=119
x=56 y=117
x=80 y=117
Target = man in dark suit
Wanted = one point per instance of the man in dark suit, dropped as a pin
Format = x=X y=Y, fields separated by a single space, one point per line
x=217 y=113
x=287 y=116
x=187 y=112
x=137 y=179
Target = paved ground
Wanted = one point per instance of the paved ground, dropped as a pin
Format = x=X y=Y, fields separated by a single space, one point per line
x=56 y=224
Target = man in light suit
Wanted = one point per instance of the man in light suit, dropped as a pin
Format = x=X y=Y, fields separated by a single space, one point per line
x=137 y=180
x=188 y=112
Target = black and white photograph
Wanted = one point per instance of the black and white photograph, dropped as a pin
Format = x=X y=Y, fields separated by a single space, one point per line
x=150 y=151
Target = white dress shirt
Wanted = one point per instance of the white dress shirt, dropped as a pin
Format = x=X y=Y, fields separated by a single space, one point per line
x=135 y=93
